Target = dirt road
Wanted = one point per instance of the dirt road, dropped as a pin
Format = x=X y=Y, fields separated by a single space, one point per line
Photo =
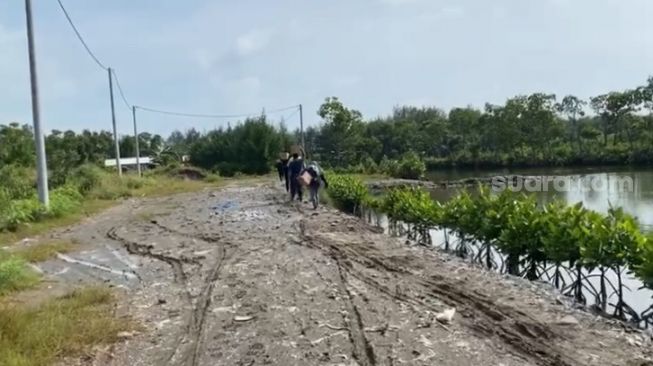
x=239 y=276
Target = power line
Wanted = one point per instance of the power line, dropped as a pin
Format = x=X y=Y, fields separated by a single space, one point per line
x=122 y=95
x=148 y=109
x=81 y=39
x=213 y=116
x=291 y=115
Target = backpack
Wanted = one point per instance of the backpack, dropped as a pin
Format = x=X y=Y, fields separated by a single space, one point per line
x=315 y=168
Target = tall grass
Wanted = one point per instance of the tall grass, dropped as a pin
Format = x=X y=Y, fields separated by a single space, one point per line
x=86 y=191
x=66 y=326
x=14 y=274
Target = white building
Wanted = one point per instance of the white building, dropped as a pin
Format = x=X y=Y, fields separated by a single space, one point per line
x=130 y=163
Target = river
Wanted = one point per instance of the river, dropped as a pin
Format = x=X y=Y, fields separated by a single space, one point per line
x=596 y=188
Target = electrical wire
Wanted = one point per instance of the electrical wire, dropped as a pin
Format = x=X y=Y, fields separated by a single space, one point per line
x=154 y=110
x=122 y=95
x=213 y=116
x=79 y=36
x=286 y=118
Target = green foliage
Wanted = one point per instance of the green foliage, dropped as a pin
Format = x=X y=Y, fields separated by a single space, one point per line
x=248 y=148
x=86 y=177
x=410 y=167
x=69 y=326
x=17 y=181
x=16 y=212
x=528 y=235
x=347 y=193
x=14 y=275
x=64 y=200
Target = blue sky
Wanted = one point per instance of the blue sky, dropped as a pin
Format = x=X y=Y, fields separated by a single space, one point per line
x=241 y=56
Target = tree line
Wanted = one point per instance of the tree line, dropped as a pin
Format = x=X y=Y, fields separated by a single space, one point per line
x=527 y=130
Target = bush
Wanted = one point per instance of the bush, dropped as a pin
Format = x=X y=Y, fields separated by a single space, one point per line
x=348 y=193
x=86 y=177
x=17 y=182
x=17 y=212
x=14 y=275
x=64 y=200
x=410 y=167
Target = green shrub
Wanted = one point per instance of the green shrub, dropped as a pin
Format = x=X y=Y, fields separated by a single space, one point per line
x=411 y=167
x=86 y=177
x=14 y=275
x=17 y=182
x=17 y=212
x=132 y=182
x=348 y=193
x=64 y=200
x=389 y=167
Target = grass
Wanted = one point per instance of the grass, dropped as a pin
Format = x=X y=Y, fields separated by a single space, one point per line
x=89 y=207
x=15 y=275
x=107 y=194
x=66 y=326
x=43 y=251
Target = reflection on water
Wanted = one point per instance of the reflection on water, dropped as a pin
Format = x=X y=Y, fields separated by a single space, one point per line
x=635 y=295
x=596 y=188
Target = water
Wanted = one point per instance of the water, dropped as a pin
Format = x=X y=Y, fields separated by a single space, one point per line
x=596 y=188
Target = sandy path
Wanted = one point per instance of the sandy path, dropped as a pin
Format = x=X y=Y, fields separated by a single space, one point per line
x=241 y=277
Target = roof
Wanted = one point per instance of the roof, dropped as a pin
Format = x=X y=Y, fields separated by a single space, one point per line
x=129 y=161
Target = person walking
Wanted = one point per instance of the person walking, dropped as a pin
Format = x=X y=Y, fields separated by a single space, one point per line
x=295 y=168
x=284 y=170
x=317 y=177
x=279 y=166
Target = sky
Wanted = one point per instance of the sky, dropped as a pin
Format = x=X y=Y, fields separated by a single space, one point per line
x=238 y=57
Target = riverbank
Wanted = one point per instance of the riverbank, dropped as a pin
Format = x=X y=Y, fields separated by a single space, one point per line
x=240 y=276
x=390 y=183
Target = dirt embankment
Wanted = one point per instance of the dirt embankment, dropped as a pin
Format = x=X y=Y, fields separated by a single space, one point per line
x=239 y=276
x=502 y=180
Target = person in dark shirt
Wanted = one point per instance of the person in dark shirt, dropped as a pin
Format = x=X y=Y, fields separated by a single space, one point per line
x=279 y=166
x=295 y=168
x=317 y=177
x=284 y=168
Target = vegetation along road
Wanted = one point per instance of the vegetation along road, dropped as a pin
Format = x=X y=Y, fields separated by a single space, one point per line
x=239 y=276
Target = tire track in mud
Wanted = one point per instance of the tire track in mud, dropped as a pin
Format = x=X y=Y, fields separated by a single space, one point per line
x=209 y=238
x=362 y=349
x=526 y=336
x=195 y=327
x=363 y=352
x=142 y=250
x=197 y=317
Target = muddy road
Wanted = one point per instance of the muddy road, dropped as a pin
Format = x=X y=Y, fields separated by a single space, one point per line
x=240 y=276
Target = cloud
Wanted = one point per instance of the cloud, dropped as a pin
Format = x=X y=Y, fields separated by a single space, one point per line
x=252 y=41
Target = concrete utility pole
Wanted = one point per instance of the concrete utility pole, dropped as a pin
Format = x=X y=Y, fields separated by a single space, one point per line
x=138 y=151
x=301 y=125
x=41 y=162
x=113 y=120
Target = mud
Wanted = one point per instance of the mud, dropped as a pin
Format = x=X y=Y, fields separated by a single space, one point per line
x=240 y=276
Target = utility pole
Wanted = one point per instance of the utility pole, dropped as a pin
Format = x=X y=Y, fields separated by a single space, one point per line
x=113 y=120
x=41 y=162
x=138 y=151
x=301 y=126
